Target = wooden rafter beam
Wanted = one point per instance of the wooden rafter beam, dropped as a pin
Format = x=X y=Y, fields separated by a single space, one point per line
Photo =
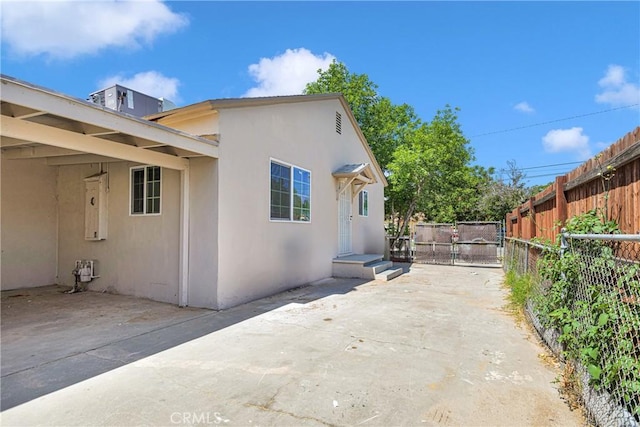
x=37 y=152
x=42 y=134
x=79 y=159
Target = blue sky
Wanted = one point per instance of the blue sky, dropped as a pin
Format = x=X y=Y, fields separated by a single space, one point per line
x=506 y=65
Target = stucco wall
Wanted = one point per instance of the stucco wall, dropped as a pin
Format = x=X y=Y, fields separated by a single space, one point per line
x=255 y=256
x=259 y=257
x=203 y=225
x=369 y=232
x=141 y=253
x=28 y=223
x=203 y=212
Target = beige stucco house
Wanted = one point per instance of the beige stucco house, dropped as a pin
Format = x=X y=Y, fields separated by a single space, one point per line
x=209 y=205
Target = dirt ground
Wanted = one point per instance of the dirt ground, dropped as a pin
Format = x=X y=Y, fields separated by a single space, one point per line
x=434 y=347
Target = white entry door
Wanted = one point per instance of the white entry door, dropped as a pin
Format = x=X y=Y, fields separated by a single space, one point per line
x=344 y=222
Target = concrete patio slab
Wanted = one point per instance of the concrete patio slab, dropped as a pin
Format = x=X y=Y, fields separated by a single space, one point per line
x=434 y=347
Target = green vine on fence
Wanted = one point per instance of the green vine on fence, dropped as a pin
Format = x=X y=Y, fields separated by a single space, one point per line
x=598 y=322
x=606 y=174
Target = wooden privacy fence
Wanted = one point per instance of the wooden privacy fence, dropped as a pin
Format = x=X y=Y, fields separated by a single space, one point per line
x=610 y=181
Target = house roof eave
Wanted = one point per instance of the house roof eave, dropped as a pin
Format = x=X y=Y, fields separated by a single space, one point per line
x=215 y=104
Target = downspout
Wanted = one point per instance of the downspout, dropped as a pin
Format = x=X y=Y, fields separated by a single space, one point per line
x=183 y=285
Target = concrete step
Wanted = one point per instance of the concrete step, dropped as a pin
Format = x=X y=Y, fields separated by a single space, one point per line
x=361 y=259
x=389 y=274
x=379 y=266
x=365 y=266
x=357 y=266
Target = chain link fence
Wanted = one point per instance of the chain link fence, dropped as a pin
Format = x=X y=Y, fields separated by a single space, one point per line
x=585 y=303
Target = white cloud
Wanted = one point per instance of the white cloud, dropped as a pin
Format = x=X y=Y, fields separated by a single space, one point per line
x=615 y=76
x=287 y=74
x=524 y=107
x=66 y=29
x=616 y=90
x=567 y=140
x=150 y=83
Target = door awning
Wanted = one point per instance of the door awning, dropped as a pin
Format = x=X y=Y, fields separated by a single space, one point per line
x=357 y=176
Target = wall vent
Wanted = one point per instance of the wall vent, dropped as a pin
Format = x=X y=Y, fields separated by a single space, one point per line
x=338 y=123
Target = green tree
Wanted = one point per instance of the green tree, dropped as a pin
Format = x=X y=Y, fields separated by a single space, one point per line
x=429 y=169
x=500 y=195
x=427 y=164
x=465 y=201
x=360 y=92
x=383 y=124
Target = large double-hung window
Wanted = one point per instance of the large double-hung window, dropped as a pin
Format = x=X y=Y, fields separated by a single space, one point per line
x=290 y=193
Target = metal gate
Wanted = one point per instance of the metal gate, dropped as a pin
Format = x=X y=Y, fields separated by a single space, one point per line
x=477 y=242
x=433 y=244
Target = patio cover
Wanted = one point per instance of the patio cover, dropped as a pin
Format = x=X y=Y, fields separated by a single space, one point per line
x=39 y=123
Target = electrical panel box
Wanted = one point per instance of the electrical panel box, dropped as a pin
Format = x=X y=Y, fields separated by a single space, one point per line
x=95 y=207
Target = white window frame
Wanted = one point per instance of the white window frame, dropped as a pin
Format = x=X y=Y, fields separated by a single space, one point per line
x=145 y=196
x=292 y=169
x=363 y=208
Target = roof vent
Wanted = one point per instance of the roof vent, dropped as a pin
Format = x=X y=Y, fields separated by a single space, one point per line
x=338 y=123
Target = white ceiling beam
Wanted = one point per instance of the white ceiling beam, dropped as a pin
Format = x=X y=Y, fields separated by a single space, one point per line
x=64 y=106
x=149 y=144
x=42 y=134
x=6 y=142
x=29 y=115
x=80 y=159
x=37 y=152
x=184 y=153
x=20 y=112
x=110 y=132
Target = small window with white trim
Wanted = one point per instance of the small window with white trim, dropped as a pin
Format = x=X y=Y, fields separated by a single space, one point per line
x=363 y=203
x=145 y=190
x=290 y=193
